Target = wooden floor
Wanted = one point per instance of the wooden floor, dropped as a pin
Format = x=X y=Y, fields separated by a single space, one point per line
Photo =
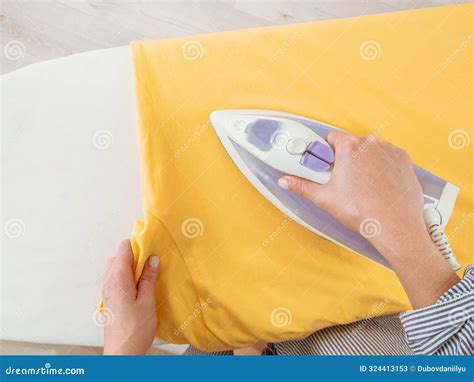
x=38 y=30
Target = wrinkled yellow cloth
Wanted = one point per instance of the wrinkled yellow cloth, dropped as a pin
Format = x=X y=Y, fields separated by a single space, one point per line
x=234 y=269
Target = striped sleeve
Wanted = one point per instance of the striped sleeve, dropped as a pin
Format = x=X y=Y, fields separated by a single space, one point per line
x=447 y=327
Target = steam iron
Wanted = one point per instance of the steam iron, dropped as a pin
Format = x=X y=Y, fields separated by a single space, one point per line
x=266 y=145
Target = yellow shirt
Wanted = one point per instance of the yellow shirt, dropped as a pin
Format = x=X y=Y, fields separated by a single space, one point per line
x=234 y=270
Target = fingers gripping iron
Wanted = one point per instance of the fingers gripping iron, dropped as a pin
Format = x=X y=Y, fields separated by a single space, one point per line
x=266 y=145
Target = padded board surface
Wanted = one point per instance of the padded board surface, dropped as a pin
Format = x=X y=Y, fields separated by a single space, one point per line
x=70 y=191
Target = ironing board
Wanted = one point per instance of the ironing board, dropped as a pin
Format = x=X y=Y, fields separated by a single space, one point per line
x=70 y=191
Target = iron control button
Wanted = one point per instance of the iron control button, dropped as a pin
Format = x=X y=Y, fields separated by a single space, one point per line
x=321 y=151
x=260 y=133
x=313 y=163
x=296 y=146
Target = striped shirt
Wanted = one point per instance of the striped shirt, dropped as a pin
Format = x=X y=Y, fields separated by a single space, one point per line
x=445 y=328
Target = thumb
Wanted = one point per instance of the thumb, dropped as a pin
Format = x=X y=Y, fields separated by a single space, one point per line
x=147 y=282
x=303 y=187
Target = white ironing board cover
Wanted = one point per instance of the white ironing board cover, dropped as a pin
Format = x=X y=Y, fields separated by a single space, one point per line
x=70 y=177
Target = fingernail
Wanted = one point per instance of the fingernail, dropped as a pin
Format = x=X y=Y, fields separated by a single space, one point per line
x=154 y=261
x=284 y=183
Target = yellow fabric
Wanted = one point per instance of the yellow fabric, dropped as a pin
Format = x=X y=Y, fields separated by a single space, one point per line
x=240 y=271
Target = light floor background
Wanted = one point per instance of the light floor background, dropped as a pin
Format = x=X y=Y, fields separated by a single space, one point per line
x=49 y=29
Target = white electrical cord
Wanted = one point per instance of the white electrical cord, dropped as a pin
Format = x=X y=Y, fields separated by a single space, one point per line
x=433 y=224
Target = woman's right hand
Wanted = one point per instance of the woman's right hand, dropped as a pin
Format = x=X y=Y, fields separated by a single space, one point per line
x=373 y=189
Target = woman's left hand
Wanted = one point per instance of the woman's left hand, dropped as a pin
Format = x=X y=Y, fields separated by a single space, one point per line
x=131 y=308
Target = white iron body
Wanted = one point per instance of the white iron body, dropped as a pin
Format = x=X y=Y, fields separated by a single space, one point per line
x=267 y=144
